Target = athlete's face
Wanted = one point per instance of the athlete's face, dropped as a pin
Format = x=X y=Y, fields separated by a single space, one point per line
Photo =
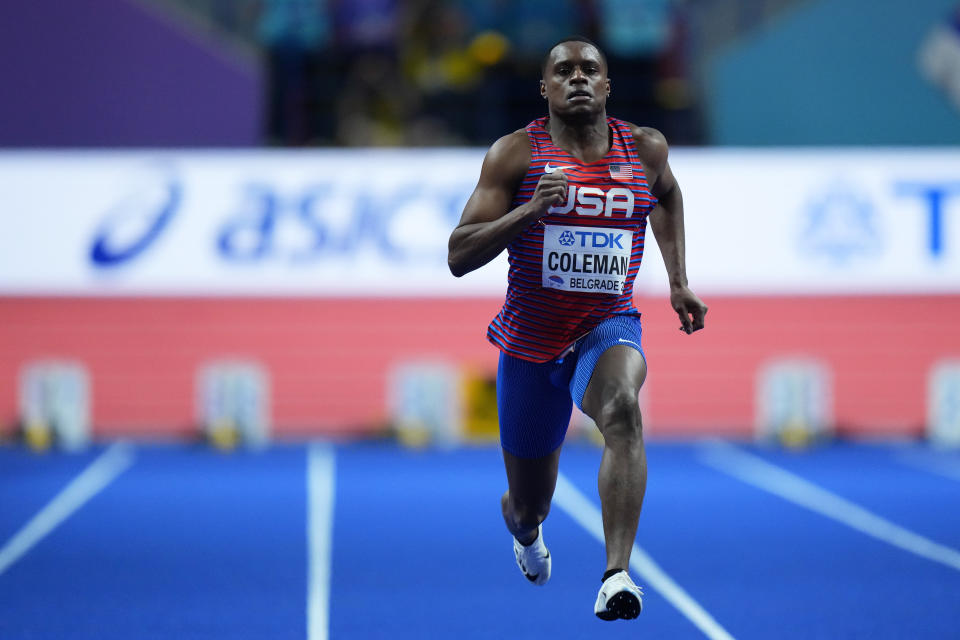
x=575 y=79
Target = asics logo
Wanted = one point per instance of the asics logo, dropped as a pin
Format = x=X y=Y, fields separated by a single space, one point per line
x=138 y=219
x=548 y=169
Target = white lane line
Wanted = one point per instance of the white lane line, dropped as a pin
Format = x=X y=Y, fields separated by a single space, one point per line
x=320 y=496
x=588 y=516
x=931 y=463
x=101 y=472
x=780 y=482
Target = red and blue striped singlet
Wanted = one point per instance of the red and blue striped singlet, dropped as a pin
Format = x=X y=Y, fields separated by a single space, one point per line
x=576 y=266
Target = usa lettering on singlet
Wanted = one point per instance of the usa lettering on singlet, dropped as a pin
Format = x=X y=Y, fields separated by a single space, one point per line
x=576 y=266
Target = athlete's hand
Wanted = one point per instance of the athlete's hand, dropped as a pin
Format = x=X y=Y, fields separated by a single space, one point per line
x=551 y=190
x=689 y=307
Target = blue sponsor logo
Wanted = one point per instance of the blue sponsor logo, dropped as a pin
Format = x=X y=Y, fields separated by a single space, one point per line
x=557 y=280
x=261 y=222
x=841 y=225
x=137 y=220
x=600 y=240
x=934 y=196
x=409 y=224
x=566 y=239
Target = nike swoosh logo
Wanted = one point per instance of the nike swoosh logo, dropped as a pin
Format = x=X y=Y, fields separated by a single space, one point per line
x=629 y=342
x=548 y=169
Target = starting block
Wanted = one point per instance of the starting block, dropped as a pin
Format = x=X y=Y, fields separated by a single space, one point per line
x=55 y=405
x=943 y=404
x=794 y=402
x=233 y=404
x=424 y=403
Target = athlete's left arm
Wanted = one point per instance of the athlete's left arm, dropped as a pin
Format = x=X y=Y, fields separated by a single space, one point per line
x=666 y=220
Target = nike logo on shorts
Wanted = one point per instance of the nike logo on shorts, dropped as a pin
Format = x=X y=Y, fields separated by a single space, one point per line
x=629 y=342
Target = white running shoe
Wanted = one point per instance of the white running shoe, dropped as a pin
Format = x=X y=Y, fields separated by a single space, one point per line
x=619 y=597
x=533 y=559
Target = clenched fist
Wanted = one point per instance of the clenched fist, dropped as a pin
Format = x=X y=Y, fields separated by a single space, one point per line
x=551 y=190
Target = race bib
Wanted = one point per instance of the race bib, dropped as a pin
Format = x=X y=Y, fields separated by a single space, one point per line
x=586 y=259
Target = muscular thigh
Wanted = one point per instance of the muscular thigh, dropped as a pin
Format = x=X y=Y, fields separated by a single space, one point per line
x=610 y=364
x=534 y=412
x=617 y=377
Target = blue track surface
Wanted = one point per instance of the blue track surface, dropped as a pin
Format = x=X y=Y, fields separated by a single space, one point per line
x=191 y=543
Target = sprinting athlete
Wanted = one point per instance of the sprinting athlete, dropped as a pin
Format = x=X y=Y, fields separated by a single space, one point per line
x=569 y=198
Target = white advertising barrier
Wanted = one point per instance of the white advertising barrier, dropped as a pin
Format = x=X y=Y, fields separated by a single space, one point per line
x=376 y=222
x=249 y=222
x=821 y=221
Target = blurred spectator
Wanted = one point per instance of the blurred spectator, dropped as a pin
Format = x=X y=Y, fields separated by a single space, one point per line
x=296 y=35
x=453 y=72
x=635 y=29
x=939 y=56
x=680 y=117
x=375 y=104
x=647 y=48
x=446 y=68
x=367 y=25
x=533 y=26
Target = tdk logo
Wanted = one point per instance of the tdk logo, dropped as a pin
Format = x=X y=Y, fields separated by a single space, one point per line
x=844 y=222
x=591 y=201
x=934 y=196
x=592 y=239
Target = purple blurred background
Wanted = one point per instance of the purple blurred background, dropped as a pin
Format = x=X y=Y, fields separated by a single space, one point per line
x=115 y=73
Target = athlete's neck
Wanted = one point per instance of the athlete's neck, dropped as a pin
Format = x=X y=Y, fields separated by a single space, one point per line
x=586 y=139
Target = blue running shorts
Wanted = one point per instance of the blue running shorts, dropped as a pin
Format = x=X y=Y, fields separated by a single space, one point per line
x=535 y=400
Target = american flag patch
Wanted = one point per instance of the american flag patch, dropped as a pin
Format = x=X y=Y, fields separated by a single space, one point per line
x=621 y=171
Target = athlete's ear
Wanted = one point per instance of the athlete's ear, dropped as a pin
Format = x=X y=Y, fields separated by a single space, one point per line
x=608 y=87
x=543 y=89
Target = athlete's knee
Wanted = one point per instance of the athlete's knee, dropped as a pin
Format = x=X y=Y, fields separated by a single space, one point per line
x=528 y=515
x=618 y=417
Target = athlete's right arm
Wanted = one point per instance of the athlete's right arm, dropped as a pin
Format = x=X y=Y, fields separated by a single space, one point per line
x=488 y=224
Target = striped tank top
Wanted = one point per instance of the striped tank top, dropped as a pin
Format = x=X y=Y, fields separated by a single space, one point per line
x=576 y=266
